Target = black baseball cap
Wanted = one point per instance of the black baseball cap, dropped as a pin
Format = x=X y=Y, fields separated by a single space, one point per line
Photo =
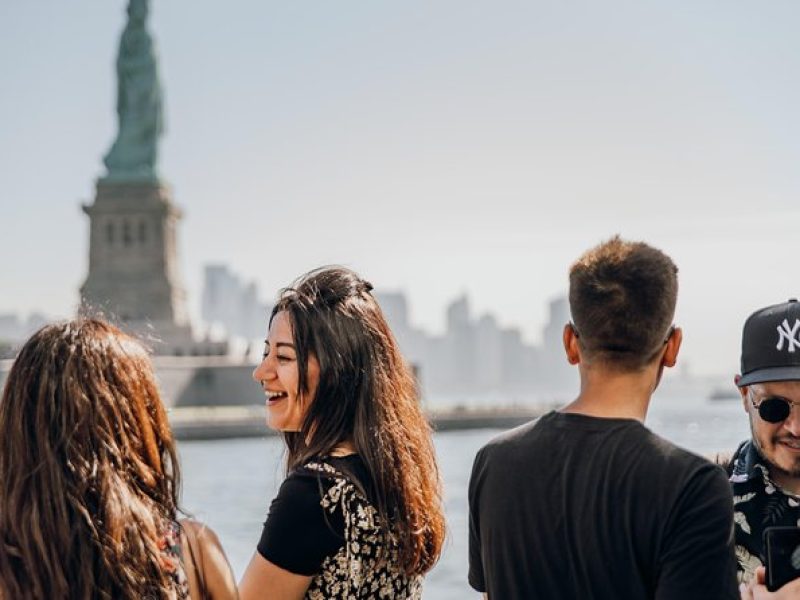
x=771 y=344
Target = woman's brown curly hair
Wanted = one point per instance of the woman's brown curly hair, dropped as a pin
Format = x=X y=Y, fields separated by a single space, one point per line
x=88 y=469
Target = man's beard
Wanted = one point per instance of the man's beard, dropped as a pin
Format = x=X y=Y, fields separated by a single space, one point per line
x=772 y=467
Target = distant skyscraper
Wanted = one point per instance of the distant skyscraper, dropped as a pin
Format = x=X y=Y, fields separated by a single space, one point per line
x=233 y=305
x=418 y=348
x=460 y=346
x=488 y=355
x=220 y=291
x=561 y=376
x=458 y=317
x=519 y=363
x=395 y=308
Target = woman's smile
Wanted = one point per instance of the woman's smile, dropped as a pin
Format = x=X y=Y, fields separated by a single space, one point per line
x=279 y=377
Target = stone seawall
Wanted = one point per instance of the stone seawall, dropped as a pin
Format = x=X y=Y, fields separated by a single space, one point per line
x=197 y=381
x=214 y=397
x=206 y=381
x=204 y=422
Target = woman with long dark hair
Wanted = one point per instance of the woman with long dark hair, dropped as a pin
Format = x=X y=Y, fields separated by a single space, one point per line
x=89 y=478
x=359 y=514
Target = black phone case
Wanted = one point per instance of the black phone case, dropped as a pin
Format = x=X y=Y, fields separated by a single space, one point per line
x=782 y=551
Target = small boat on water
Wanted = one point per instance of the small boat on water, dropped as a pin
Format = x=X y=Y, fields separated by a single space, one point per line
x=724 y=394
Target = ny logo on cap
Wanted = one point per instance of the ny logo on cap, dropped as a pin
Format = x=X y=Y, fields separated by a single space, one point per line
x=789 y=334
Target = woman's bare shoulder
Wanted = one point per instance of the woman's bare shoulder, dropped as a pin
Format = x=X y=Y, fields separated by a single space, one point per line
x=200 y=531
x=206 y=553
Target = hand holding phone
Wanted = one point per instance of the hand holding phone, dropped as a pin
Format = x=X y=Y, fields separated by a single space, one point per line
x=756 y=590
x=782 y=553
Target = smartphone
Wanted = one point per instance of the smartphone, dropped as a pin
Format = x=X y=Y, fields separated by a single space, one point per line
x=782 y=551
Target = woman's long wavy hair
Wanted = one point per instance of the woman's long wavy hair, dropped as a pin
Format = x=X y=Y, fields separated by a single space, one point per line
x=366 y=393
x=88 y=470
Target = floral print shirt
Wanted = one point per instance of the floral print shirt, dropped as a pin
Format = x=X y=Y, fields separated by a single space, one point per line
x=758 y=503
x=367 y=565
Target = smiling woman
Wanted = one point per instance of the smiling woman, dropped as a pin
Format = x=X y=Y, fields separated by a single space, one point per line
x=360 y=513
x=279 y=376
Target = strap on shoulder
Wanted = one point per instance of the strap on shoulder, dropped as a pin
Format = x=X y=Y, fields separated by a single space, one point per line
x=194 y=566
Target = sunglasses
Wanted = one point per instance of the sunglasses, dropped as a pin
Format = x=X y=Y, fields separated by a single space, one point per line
x=773 y=409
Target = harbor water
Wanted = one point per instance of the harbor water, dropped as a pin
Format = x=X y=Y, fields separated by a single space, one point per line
x=229 y=483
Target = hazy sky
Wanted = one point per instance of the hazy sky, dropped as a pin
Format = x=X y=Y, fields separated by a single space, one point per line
x=436 y=147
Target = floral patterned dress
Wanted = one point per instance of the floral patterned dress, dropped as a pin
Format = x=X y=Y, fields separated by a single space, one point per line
x=172 y=559
x=367 y=565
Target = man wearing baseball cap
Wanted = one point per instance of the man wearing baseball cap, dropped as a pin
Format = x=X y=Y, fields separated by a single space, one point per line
x=765 y=470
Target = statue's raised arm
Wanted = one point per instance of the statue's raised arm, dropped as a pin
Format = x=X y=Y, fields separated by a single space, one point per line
x=139 y=103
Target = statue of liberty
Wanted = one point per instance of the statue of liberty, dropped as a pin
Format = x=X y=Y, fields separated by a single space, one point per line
x=139 y=104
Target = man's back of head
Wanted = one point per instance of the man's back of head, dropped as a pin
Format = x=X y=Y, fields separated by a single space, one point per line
x=622 y=297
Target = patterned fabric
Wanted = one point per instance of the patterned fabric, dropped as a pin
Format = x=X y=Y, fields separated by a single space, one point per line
x=758 y=503
x=172 y=559
x=367 y=565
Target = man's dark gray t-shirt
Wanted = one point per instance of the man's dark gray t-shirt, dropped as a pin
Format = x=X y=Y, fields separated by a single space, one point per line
x=572 y=506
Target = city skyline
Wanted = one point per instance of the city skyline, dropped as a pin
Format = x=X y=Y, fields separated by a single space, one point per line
x=235 y=300
x=437 y=149
x=473 y=356
x=11 y=320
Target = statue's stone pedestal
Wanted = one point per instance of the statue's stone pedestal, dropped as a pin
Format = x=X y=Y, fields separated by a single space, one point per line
x=133 y=276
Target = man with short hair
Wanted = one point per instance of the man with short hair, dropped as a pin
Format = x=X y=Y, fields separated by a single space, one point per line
x=586 y=502
x=765 y=470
